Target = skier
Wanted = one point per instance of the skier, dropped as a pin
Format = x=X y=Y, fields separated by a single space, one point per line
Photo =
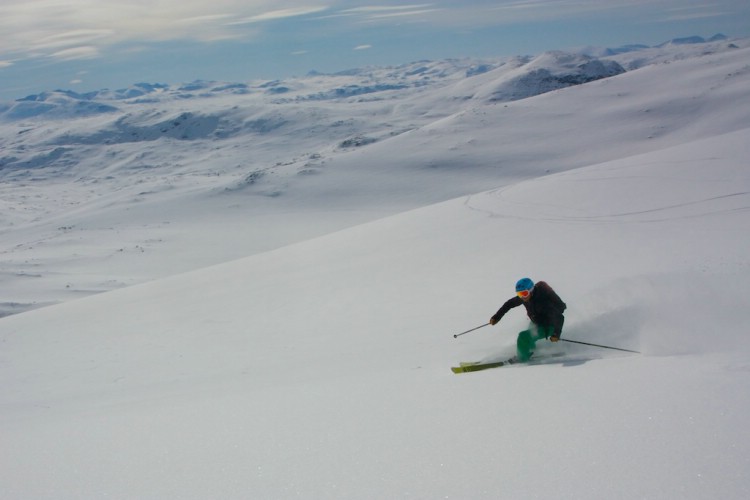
x=545 y=310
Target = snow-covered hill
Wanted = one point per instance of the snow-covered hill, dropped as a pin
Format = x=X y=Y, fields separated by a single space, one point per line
x=297 y=268
x=83 y=175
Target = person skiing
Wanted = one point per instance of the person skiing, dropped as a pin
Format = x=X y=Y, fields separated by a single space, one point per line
x=545 y=310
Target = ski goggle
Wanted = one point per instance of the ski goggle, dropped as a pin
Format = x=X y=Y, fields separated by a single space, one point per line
x=524 y=294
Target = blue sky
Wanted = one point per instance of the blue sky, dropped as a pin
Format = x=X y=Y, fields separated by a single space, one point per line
x=85 y=45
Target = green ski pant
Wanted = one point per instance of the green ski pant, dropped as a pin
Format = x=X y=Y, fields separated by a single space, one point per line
x=527 y=340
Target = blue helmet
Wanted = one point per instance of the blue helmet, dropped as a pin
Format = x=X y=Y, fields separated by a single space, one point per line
x=524 y=284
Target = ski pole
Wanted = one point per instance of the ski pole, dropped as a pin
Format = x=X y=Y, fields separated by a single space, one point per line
x=597 y=345
x=467 y=331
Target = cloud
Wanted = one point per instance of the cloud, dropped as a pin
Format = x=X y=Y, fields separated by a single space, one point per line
x=470 y=14
x=384 y=12
x=384 y=8
x=280 y=14
x=76 y=53
x=75 y=29
x=690 y=12
x=199 y=20
x=72 y=38
x=66 y=29
x=697 y=15
x=362 y=47
x=404 y=13
x=545 y=10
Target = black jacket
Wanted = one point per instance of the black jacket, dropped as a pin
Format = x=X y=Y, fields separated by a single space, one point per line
x=544 y=307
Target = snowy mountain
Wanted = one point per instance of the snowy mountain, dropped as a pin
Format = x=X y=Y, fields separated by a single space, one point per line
x=84 y=174
x=690 y=40
x=548 y=72
x=285 y=269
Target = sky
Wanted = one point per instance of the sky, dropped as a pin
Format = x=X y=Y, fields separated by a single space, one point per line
x=85 y=45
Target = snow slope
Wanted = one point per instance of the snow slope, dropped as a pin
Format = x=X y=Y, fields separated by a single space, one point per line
x=320 y=370
x=318 y=367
